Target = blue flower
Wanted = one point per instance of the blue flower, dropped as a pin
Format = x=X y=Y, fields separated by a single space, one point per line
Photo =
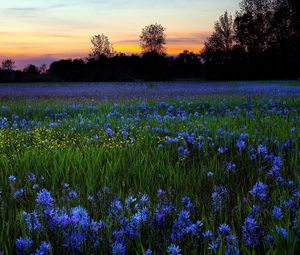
x=250 y=232
x=19 y=193
x=80 y=216
x=230 y=166
x=222 y=149
x=32 y=221
x=72 y=194
x=148 y=252
x=182 y=152
x=45 y=199
x=262 y=150
x=44 y=249
x=109 y=132
x=277 y=214
x=180 y=225
x=219 y=197
x=73 y=242
x=224 y=229
x=118 y=248
x=210 y=174
x=174 y=250
x=259 y=191
x=23 y=246
x=31 y=177
x=240 y=144
x=187 y=204
x=12 y=179
x=282 y=231
x=269 y=240
x=207 y=235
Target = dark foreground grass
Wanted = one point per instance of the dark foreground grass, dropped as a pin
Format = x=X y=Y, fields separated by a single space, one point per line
x=237 y=160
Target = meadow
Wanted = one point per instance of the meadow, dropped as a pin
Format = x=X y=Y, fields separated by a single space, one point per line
x=160 y=168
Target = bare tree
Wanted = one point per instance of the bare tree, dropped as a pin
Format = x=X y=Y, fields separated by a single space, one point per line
x=101 y=46
x=153 y=39
x=8 y=65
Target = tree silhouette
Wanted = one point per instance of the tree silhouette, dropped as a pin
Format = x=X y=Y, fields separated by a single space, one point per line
x=221 y=41
x=31 y=69
x=252 y=25
x=153 y=39
x=8 y=65
x=101 y=47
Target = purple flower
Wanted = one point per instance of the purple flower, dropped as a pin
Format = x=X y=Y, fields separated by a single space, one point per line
x=250 y=232
x=187 y=204
x=230 y=166
x=259 y=191
x=174 y=250
x=262 y=150
x=32 y=221
x=240 y=144
x=277 y=214
x=148 y=252
x=222 y=149
x=45 y=199
x=23 y=246
x=210 y=174
x=109 y=132
x=118 y=248
x=12 y=179
x=182 y=152
x=207 y=235
x=72 y=194
x=219 y=197
x=19 y=193
x=224 y=229
x=31 y=177
x=282 y=231
x=43 y=249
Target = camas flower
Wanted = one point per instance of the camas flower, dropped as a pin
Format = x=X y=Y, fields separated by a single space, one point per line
x=44 y=198
x=250 y=232
x=118 y=248
x=277 y=214
x=43 y=249
x=23 y=246
x=174 y=250
x=259 y=191
x=12 y=179
x=262 y=150
x=224 y=229
x=240 y=144
x=282 y=232
x=109 y=132
x=182 y=152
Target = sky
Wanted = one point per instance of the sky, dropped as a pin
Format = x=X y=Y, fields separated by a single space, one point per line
x=41 y=31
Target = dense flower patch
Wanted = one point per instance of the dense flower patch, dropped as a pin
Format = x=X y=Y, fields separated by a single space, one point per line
x=212 y=177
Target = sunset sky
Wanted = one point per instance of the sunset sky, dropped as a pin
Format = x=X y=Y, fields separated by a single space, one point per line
x=35 y=31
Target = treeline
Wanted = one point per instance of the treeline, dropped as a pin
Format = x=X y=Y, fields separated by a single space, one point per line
x=261 y=41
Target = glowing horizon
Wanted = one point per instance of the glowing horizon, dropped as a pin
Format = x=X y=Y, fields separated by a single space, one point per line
x=37 y=33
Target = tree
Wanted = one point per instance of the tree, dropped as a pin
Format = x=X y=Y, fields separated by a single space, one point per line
x=253 y=25
x=223 y=37
x=153 y=39
x=43 y=68
x=31 y=69
x=8 y=65
x=101 y=47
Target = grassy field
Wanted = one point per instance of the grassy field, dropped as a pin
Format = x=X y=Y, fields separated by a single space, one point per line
x=206 y=175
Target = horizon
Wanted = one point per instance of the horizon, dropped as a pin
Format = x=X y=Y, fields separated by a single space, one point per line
x=38 y=33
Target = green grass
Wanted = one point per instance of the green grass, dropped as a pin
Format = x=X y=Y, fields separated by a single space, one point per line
x=63 y=155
